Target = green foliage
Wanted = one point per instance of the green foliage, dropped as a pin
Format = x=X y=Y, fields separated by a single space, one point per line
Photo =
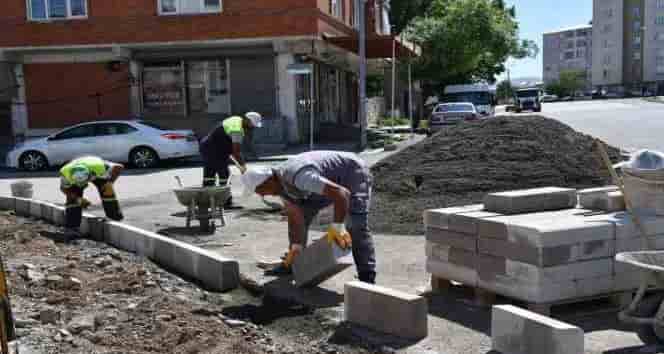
x=572 y=81
x=389 y=122
x=505 y=90
x=466 y=40
x=375 y=85
x=554 y=88
x=402 y=12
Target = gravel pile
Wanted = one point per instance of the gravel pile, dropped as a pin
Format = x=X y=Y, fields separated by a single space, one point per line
x=461 y=164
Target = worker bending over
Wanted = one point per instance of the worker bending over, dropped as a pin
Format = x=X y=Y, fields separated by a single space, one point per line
x=309 y=182
x=225 y=141
x=74 y=179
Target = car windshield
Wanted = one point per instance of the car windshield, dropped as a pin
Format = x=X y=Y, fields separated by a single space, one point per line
x=456 y=107
x=527 y=93
x=476 y=98
x=152 y=125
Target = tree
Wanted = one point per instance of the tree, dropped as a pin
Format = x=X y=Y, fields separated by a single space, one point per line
x=571 y=81
x=554 y=88
x=403 y=11
x=505 y=90
x=465 y=41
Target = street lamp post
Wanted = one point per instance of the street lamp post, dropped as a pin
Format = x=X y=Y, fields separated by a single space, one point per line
x=360 y=5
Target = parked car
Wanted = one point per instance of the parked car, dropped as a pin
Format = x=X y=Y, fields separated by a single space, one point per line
x=140 y=143
x=452 y=113
x=549 y=98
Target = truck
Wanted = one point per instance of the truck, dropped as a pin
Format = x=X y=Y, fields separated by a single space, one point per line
x=529 y=99
x=481 y=95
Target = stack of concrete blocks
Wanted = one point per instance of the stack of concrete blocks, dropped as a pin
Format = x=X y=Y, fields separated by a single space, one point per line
x=541 y=258
x=608 y=199
x=531 y=200
x=209 y=269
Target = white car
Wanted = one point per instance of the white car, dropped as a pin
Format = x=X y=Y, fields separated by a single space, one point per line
x=453 y=113
x=140 y=143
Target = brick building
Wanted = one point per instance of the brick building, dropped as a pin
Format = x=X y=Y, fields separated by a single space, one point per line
x=189 y=63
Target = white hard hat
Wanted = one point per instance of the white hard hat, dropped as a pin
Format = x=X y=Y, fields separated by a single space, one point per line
x=255 y=118
x=254 y=177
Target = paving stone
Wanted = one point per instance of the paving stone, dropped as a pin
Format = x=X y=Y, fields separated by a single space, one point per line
x=47 y=211
x=634 y=244
x=625 y=226
x=531 y=200
x=440 y=217
x=453 y=272
x=518 y=331
x=447 y=254
x=22 y=206
x=498 y=227
x=547 y=256
x=607 y=199
x=451 y=238
x=627 y=281
x=533 y=274
x=217 y=273
x=319 y=262
x=93 y=226
x=386 y=310
x=7 y=203
x=58 y=215
x=546 y=292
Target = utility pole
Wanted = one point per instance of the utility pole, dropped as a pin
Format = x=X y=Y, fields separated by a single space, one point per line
x=362 y=116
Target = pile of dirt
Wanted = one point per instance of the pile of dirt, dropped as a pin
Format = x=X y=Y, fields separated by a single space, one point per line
x=461 y=164
x=85 y=297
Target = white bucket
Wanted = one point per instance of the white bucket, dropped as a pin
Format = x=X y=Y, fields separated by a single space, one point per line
x=645 y=191
x=22 y=189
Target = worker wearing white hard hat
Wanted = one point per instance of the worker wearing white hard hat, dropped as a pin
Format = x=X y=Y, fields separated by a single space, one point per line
x=223 y=143
x=310 y=182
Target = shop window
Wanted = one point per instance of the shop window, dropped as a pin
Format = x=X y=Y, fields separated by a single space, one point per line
x=177 y=7
x=207 y=87
x=163 y=87
x=42 y=10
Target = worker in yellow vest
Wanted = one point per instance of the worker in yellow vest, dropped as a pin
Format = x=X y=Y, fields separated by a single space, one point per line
x=225 y=141
x=74 y=179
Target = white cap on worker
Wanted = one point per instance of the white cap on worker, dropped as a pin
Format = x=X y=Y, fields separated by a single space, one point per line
x=254 y=177
x=255 y=118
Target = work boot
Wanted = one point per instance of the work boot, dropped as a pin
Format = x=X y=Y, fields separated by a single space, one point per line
x=279 y=271
x=368 y=277
x=230 y=206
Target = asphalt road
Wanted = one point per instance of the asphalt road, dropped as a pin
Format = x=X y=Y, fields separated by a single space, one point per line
x=630 y=124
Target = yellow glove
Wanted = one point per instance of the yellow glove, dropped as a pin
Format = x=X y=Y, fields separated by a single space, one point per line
x=107 y=190
x=84 y=203
x=337 y=233
x=293 y=253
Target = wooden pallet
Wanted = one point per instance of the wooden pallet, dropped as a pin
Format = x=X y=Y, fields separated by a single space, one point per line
x=487 y=298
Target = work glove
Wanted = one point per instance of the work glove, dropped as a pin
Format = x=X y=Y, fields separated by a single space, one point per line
x=107 y=190
x=84 y=203
x=293 y=253
x=337 y=233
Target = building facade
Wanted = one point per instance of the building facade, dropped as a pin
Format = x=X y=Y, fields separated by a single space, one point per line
x=568 y=49
x=188 y=63
x=629 y=46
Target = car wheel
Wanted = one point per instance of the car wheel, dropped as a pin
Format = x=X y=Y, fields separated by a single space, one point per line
x=33 y=161
x=143 y=157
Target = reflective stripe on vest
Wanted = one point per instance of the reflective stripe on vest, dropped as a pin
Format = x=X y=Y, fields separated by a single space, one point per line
x=96 y=166
x=233 y=125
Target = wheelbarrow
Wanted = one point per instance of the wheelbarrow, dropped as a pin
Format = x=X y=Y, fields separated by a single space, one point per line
x=647 y=308
x=204 y=204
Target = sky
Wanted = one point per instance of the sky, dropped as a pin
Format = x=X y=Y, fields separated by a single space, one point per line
x=539 y=16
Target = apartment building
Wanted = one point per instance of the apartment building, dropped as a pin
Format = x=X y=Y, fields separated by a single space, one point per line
x=568 y=49
x=190 y=63
x=628 y=43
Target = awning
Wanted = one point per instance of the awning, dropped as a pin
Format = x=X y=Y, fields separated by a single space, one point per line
x=378 y=47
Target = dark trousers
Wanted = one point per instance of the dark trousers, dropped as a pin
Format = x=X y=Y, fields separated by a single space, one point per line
x=74 y=211
x=357 y=222
x=214 y=168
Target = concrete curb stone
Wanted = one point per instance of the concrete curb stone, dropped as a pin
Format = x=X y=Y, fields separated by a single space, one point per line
x=386 y=310
x=7 y=203
x=518 y=331
x=22 y=207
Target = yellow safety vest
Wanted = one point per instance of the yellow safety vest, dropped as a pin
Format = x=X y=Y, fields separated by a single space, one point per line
x=96 y=166
x=233 y=125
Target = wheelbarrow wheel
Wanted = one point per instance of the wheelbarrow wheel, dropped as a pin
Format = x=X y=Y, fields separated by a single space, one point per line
x=648 y=309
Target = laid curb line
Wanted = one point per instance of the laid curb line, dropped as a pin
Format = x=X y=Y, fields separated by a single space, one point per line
x=209 y=269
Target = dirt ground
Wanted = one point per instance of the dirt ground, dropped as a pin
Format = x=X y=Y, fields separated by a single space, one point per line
x=85 y=297
x=461 y=164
